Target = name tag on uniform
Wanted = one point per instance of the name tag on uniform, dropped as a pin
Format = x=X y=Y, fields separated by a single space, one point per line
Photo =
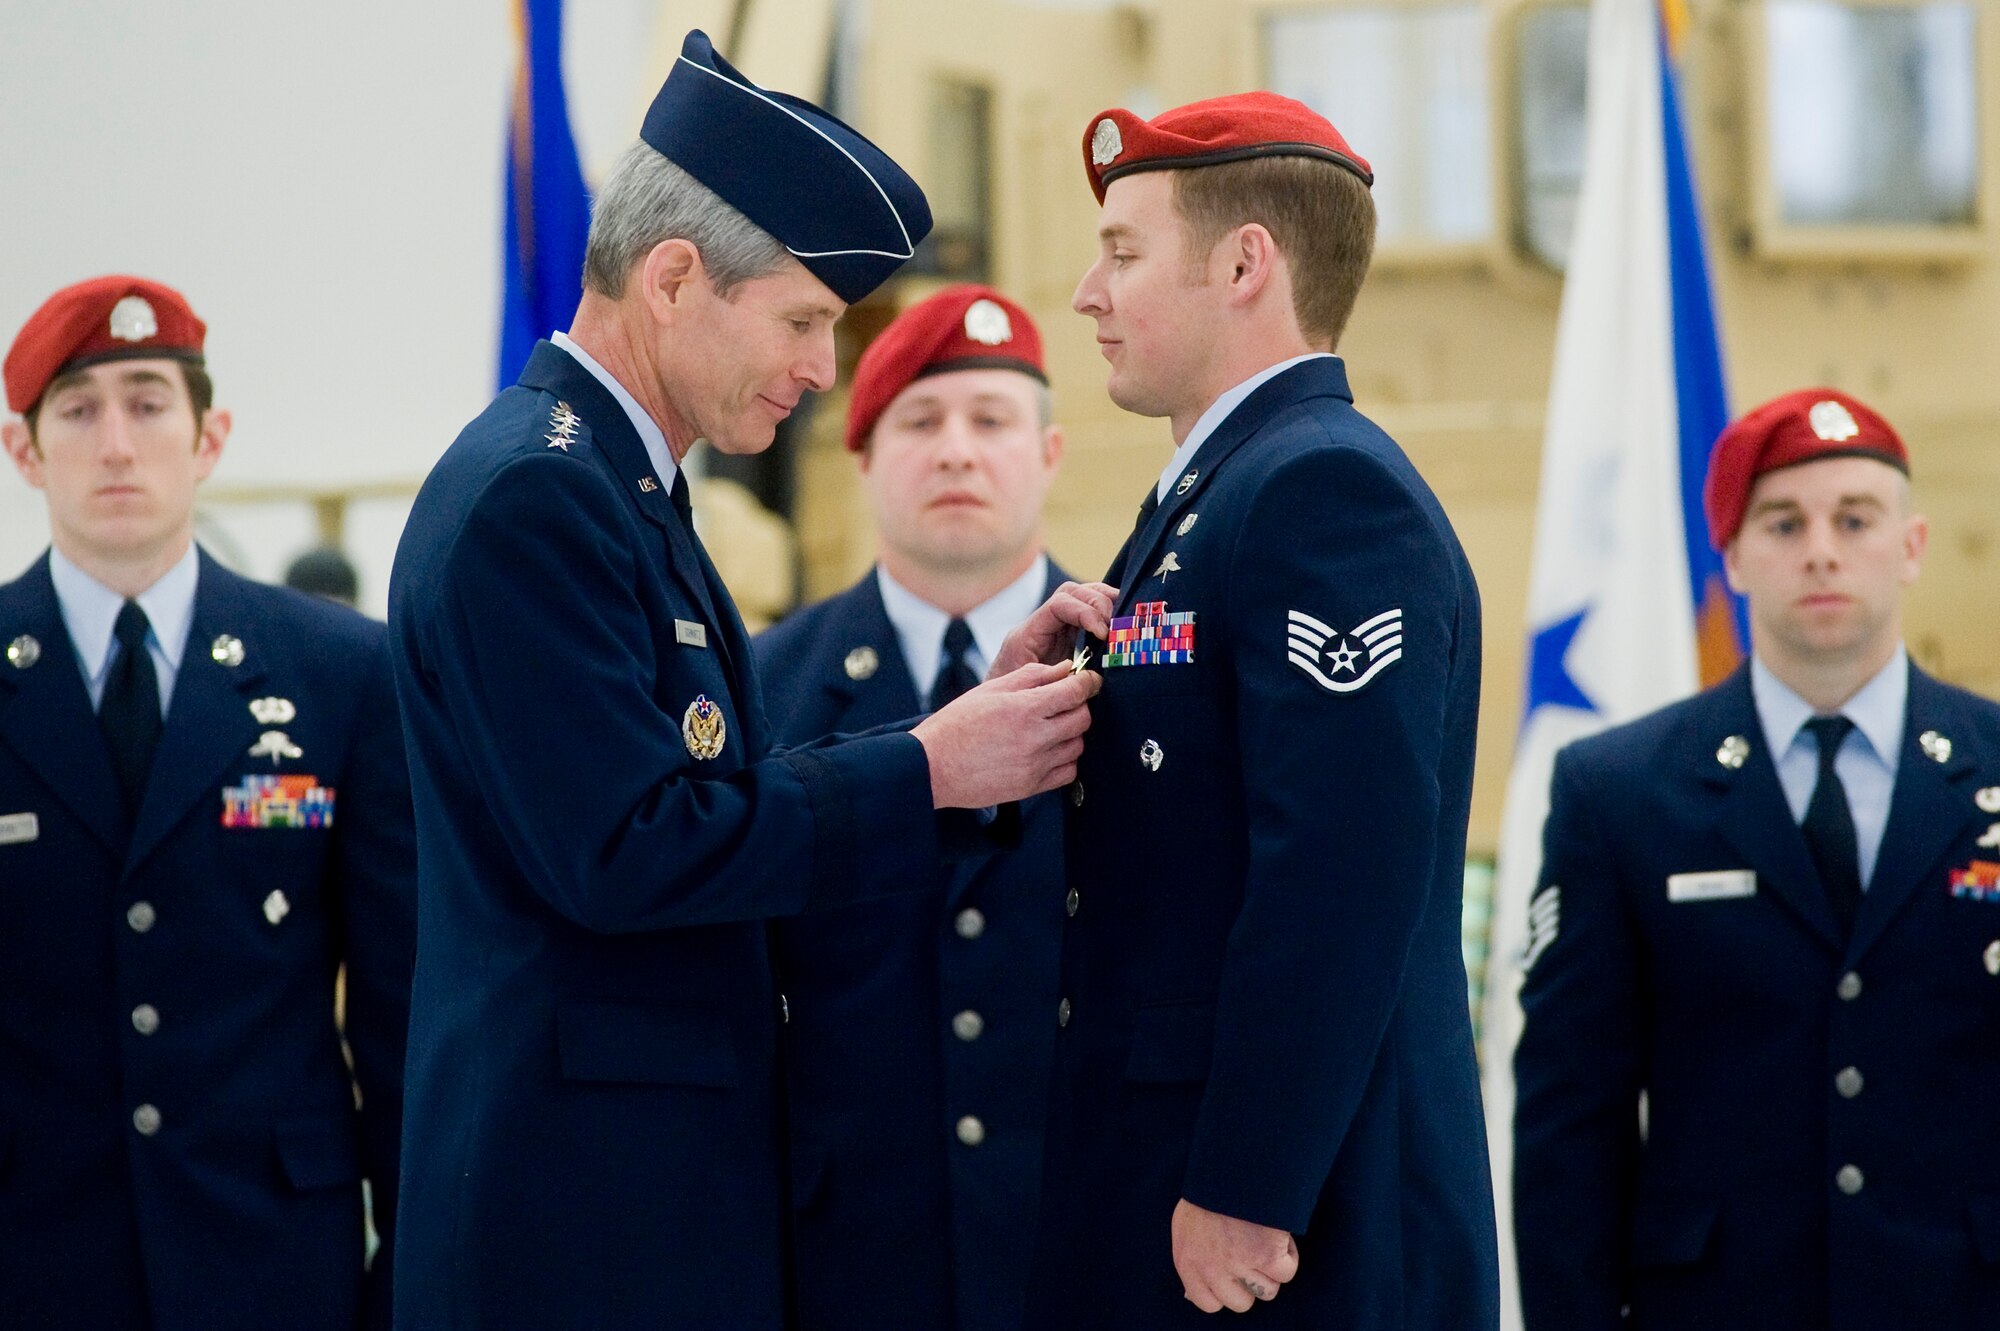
x=16 y=828
x=690 y=634
x=1715 y=885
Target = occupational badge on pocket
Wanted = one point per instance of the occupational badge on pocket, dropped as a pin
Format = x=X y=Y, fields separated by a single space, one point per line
x=702 y=729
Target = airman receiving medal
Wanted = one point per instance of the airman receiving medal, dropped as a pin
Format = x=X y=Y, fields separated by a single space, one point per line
x=593 y=1120
x=1762 y=1045
x=185 y=758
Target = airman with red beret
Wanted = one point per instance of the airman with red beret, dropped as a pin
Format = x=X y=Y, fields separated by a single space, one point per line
x=1761 y=1042
x=204 y=814
x=1265 y=1097
x=919 y=1042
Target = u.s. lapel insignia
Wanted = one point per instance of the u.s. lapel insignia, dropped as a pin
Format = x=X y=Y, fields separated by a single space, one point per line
x=702 y=729
x=23 y=652
x=646 y=483
x=1171 y=564
x=1187 y=524
x=1987 y=798
x=1186 y=483
x=562 y=427
x=1733 y=752
x=861 y=663
x=1344 y=662
x=273 y=711
x=226 y=651
x=277 y=746
x=1936 y=747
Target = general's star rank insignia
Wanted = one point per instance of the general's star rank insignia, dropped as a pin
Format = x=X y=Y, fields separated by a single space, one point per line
x=562 y=427
x=702 y=729
x=1344 y=662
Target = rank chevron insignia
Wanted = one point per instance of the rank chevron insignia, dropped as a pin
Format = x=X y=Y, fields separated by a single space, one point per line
x=1350 y=659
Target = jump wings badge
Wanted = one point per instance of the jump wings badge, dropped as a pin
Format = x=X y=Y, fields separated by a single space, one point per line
x=702 y=729
x=1344 y=662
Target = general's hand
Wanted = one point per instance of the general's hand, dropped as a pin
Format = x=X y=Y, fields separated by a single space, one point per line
x=1014 y=736
x=1045 y=635
x=1229 y=1263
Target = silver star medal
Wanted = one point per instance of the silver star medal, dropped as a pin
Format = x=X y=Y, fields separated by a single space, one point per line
x=562 y=427
x=1171 y=564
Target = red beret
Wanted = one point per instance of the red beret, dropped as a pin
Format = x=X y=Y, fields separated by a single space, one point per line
x=106 y=318
x=960 y=328
x=1221 y=129
x=1805 y=426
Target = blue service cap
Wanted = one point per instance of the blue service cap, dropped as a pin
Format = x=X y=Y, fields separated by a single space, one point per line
x=835 y=200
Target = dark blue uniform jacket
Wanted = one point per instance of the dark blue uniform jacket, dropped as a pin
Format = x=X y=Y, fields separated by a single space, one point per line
x=1819 y=1147
x=242 y=1208
x=1263 y=1001
x=593 y=1135
x=893 y=1208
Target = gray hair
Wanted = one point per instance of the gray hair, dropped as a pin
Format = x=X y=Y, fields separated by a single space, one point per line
x=647 y=200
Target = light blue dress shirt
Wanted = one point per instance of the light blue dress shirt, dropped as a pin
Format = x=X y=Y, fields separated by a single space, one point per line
x=1218 y=412
x=920 y=625
x=1866 y=763
x=90 y=613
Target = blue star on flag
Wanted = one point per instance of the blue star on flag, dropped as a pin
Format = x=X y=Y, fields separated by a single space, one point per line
x=1549 y=681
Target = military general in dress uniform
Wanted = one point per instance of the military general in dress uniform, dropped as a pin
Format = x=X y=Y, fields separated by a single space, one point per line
x=1264 y=1091
x=204 y=815
x=919 y=1043
x=1762 y=1045
x=594 y=1132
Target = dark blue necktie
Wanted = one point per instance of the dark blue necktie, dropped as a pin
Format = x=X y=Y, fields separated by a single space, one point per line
x=130 y=712
x=954 y=674
x=1829 y=825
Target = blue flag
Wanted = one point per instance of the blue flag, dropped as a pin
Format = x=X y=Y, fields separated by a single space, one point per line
x=548 y=208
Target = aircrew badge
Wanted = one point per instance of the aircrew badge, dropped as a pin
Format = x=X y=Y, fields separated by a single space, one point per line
x=1344 y=662
x=1106 y=142
x=1832 y=421
x=1977 y=881
x=133 y=320
x=987 y=324
x=1149 y=636
x=702 y=729
x=562 y=427
x=277 y=801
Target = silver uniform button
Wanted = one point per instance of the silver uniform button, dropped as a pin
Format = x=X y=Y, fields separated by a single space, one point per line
x=1849 y=1180
x=139 y=916
x=971 y=922
x=145 y=1019
x=1062 y=1013
x=1071 y=902
x=1848 y=1082
x=146 y=1120
x=1849 y=987
x=971 y=1131
x=968 y=1025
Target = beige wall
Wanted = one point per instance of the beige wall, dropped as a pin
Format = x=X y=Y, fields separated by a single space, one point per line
x=1451 y=353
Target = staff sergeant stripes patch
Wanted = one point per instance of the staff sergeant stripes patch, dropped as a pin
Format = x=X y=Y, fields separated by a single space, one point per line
x=1351 y=659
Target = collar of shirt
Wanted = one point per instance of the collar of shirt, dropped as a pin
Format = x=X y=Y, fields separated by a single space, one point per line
x=1876 y=709
x=920 y=625
x=650 y=433
x=90 y=613
x=1218 y=412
